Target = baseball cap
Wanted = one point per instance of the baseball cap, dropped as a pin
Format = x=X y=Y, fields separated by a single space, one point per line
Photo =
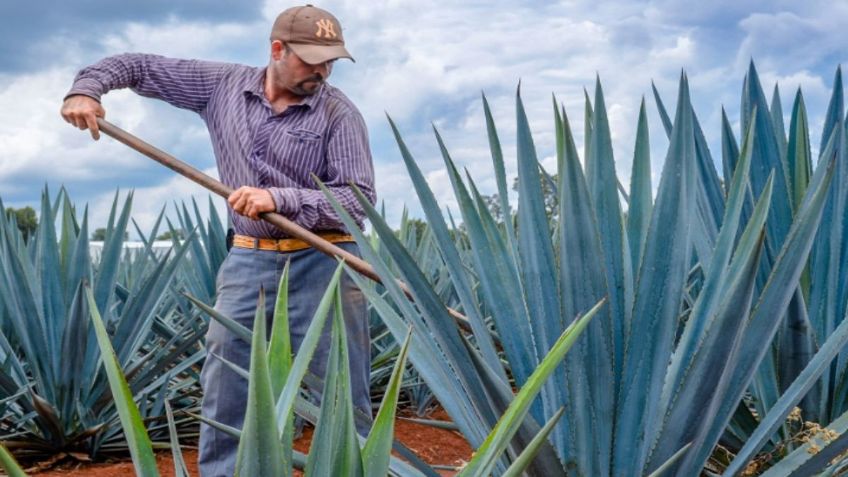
x=314 y=35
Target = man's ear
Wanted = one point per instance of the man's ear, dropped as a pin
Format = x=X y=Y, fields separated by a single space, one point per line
x=277 y=50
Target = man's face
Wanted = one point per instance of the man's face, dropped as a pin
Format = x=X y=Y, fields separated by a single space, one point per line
x=298 y=77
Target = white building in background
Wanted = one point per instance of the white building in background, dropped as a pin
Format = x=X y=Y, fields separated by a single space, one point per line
x=131 y=247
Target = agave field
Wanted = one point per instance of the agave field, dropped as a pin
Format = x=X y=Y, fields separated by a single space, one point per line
x=691 y=327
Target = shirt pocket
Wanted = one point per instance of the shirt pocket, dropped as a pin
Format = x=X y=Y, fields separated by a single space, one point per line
x=300 y=153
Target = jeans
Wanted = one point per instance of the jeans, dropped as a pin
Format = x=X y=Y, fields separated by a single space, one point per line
x=238 y=283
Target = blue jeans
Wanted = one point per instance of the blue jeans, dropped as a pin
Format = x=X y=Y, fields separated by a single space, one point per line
x=239 y=279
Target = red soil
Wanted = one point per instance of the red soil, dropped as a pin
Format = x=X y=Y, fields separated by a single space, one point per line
x=434 y=446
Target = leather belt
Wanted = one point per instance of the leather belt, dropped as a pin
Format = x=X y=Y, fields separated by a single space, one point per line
x=285 y=245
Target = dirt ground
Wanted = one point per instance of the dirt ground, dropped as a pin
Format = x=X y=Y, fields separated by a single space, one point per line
x=434 y=446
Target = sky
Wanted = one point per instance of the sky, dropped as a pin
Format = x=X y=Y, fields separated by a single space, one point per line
x=424 y=63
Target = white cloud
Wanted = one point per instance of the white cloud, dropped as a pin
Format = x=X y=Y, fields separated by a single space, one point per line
x=426 y=62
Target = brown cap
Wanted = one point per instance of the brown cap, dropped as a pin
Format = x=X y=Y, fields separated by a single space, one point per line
x=314 y=35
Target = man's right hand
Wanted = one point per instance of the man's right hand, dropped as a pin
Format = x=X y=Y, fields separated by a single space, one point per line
x=83 y=111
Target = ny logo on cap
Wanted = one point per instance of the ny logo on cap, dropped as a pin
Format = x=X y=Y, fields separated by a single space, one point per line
x=325 y=28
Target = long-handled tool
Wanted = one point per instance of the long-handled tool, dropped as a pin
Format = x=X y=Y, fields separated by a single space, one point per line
x=284 y=224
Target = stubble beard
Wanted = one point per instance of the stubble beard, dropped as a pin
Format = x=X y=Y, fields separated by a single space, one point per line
x=301 y=88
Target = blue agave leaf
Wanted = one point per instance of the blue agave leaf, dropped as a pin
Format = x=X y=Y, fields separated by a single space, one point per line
x=703 y=314
x=771 y=305
x=710 y=194
x=835 y=109
x=547 y=461
x=729 y=149
x=659 y=290
x=334 y=449
x=74 y=339
x=452 y=259
x=527 y=456
x=776 y=112
x=799 y=157
x=52 y=299
x=429 y=359
x=217 y=246
x=485 y=458
x=496 y=270
x=136 y=434
x=539 y=276
x=232 y=326
x=139 y=310
x=299 y=368
x=500 y=178
x=766 y=159
x=57 y=203
x=23 y=306
x=535 y=249
x=67 y=242
x=439 y=322
x=829 y=263
x=588 y=121
x=710 y=198
x=791 y=397
x=377 y=448
x=664 y=117
x=590 y=372
x=702 y=388
x=641 y=193
x=78 y=265
x=110 y=257
x=260 y=451
x=601 y=178
x=198 y=253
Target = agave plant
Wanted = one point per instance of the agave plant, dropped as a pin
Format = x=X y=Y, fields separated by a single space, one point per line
x=265 y=442
x=415 y=394
x=707 y=337
x=53 y=398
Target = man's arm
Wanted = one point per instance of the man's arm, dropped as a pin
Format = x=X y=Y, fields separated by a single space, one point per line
x=186 y=84
x=348 y=162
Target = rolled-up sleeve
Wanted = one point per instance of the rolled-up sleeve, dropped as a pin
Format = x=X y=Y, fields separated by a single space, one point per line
x=348 y=163
x=186 y=84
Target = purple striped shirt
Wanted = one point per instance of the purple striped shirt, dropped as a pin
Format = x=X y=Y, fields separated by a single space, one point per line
x=323 y=135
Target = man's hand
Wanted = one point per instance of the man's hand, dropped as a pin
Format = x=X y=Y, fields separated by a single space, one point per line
x=251 y=201
x=82 y=112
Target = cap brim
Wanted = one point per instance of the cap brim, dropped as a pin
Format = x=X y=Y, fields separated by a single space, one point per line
x=317 y=54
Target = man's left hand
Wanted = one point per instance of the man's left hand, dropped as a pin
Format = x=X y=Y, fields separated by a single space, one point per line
x=251 y=201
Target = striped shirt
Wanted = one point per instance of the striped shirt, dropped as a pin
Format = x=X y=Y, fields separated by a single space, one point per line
x=323 y=135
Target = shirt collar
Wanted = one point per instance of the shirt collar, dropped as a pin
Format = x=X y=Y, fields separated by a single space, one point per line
x=256 y=86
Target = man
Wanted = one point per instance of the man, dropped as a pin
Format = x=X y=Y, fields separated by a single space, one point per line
x=271 y=128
